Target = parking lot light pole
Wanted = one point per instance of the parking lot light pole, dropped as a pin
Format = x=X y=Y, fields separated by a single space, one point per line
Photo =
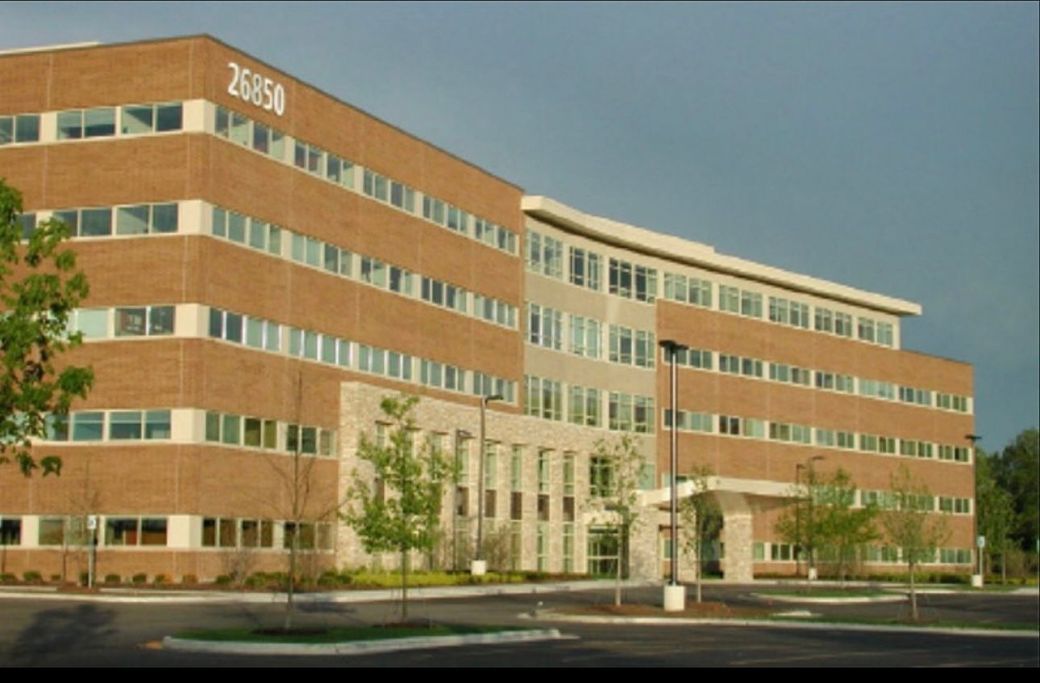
x=479 y=565
x=674 y=592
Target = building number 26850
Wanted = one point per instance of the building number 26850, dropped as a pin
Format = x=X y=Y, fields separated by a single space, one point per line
x=257 y=89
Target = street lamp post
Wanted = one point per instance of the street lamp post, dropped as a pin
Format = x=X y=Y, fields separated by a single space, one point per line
x=976 y=579
x=479 y=565
x=812 y=521
x=674 y=592
x=798 y=521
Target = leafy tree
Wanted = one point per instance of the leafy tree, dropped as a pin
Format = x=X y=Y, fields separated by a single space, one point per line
x=911 y=526
x=994 y=510
x=616 y=471
x=824 y=517
x=39 y=289
x=400 y=510
x=701 y=520
x=1017 y=471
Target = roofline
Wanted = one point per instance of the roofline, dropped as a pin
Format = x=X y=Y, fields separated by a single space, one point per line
x=695 y=253
x=206 y=36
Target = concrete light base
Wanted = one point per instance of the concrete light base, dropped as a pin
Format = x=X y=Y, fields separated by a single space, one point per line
x=478 y=567
x=674 y=598
x=812 y=573
x=976 y=580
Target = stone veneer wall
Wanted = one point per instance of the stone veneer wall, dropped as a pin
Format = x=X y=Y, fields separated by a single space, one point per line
x=359 y=412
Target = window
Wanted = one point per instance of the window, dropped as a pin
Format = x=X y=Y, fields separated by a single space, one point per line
x=543 y=398
x=90 y=123
x=585 y=269
x=585 y=336
x=544 y=255
x=544 y=457
x=788 y=312
x=584 y=408
x=19 y=129
x=687 y=290
x=633 y=281
x=11 y=531
x=144 y=321
x=151 y=118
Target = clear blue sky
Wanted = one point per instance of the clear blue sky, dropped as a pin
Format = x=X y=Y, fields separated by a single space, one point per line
x=890 y=147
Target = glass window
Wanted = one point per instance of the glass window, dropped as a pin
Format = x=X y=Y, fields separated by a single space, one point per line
x=153 y=531
x=131 y=322
x=168 y=117
x=70 y=125
x=136 y=120
x=6 y=130
x=132 y=220
x=99 y=122
x=124 y=425
x=164 y=218
x=92 y=323
x=27 y=128
x=252 y=432
x=95 y=223
x=88 y=426
x=230 y=428
x=11 y=531
x=157 y=424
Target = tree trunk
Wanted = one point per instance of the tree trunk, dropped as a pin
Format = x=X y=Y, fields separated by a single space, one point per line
x=697 y=567
x=291 y=581
x=913 y=595
x=617 y=574
x=404 y=584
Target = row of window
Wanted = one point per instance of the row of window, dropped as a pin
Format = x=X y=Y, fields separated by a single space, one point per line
x=785 y=552
x=693 y=421
x=76 y=124
x=273 y=435
x=544 y=256
x=544 y=398
x=312 y=159
x=310 y=345
x=626 y=346
x=133 y=531
x=305 y=250
x=105 y=221
x=124 y=321
x=887 y=500
x=702 y=359
x=110 y=425
x=134 y=119
x=231 y=532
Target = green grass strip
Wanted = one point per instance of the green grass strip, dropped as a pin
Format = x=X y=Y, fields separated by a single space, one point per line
x=337 y=634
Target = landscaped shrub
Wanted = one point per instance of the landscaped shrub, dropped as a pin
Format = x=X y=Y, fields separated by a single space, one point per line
x=112 y=578
x=160 y=580
x=223 y=580
x=8 y=578
x=138 y=579
x=32 y=576
x=84 y=578
x=55 y=578
x=189 y=579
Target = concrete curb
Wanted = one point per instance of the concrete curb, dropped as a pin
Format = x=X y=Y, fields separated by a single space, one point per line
x=361 y=647
x=764 y=623
x=857 y=600
x=130 y=596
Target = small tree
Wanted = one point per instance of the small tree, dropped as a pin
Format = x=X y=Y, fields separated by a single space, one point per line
x=616 y=470
x=400 y=509
x=995 y=512
x=701 y=521
x=911 y=526
x=823 y=517
x=35 y=307
x=842 y=528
